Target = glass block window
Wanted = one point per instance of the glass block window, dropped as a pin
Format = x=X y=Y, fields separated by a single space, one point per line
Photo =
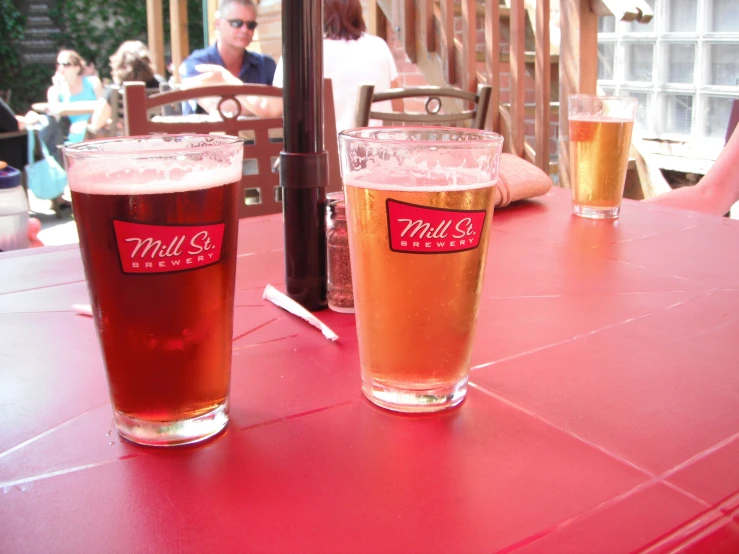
x=643 y=108
x=683 y=67
x=607 y=24
x=637 y=27
x=724 y=16
x=606 y=56
x=682 y=16
x=678 y=114
x=717 y=111
x=638 y=58
x=680 y=62
x=723 y=64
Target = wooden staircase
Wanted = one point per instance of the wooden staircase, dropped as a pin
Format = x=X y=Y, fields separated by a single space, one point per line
x=511 y=45
x=39 y=43
x=471 y=42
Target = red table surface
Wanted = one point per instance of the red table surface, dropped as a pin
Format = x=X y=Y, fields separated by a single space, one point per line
x=602 y=416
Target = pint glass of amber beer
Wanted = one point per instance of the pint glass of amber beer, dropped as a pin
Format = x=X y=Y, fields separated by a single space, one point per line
x=157 y=223
x=419 y=207
x=600 y=137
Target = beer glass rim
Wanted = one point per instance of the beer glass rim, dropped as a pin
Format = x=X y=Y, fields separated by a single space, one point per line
x=399 y=135
x=167 y=145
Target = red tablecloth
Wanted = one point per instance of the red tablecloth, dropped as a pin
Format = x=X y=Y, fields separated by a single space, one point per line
x=603 y=414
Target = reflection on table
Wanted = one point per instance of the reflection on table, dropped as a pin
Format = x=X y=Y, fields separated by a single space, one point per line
x=602 y=415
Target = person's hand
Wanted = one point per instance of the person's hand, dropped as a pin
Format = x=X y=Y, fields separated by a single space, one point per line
x=210 y=74
x=31 y=118
x=78 y=127
x=34 y=226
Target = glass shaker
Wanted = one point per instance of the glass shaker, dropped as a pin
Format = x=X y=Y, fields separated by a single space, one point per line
x=340 y=295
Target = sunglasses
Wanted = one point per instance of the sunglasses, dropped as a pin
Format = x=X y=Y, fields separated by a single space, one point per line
x=237 y=24
x=64 y=64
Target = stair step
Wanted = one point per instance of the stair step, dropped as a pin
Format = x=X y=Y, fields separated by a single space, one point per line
x=505 y=57
x=38 y=21
x=41 y=32
x=505 y=12
x=39 y=57
x=38 y=44
x=530 y=108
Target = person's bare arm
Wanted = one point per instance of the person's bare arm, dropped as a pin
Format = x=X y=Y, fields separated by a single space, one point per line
x=260 y=106
x=100 y=116
x=52 y=94
x=716 y=191
x=97 y=86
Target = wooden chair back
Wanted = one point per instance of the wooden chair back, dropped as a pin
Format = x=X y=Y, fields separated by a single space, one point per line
x=116 y=126
x=472 y=117
x=262 y=136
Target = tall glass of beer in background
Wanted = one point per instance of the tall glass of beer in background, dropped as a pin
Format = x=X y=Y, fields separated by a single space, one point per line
x=157 y=223
x=600 y=137
x=419 y=207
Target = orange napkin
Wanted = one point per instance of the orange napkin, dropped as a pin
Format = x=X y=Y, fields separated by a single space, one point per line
x=519 y=180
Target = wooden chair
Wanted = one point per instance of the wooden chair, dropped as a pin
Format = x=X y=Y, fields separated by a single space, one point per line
x=473 y=118
x=263 y=136
x=115 y=127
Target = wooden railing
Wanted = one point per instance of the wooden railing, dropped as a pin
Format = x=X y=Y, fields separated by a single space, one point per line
x=426 y=28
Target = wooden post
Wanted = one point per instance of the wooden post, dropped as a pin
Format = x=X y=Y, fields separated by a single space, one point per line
x=469 y=41
x=372 y=17
x=155 y=30
x=446 y=49
x=518 y=75
x=407 y=25
x=578 y=68
x=492 y=60
x=178 y=35
x=427 y=25
x=543 y=80
x=212 y=7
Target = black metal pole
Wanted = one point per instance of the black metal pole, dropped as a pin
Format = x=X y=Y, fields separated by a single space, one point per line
x=304 y=163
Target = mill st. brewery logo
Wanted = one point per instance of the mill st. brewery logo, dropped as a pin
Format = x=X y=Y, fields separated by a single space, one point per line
x=424 y=230
x=166 y=248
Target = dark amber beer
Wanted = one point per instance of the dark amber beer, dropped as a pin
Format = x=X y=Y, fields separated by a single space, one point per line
x=159 y=250
x=419 y=214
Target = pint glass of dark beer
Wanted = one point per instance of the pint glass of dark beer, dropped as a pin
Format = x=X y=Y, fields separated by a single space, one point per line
x=419 y=206
x=157 y=223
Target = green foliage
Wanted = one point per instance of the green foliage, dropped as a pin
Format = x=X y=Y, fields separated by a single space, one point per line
x=12 y=24
x=29 y=84
x=95 y=28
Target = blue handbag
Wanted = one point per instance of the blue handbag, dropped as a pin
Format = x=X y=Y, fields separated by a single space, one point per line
x=45 y=178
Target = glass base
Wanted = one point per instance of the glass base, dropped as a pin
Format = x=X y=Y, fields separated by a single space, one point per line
x=172 y=433
x=340 y=309
x=417 y=400
x=593 y=212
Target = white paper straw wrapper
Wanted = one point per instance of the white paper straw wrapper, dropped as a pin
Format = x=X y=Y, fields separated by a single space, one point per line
x=289 y=305
x=82 y=309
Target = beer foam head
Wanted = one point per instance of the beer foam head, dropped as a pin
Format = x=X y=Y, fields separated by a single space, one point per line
x=420 y=158
x=153 y=164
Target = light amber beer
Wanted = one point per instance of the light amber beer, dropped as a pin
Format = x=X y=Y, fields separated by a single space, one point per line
x=419 y=204
x=416 y=304
x=599 y=153
x=159 y=258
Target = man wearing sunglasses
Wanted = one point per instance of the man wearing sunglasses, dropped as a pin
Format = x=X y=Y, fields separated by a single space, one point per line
x=235 y=22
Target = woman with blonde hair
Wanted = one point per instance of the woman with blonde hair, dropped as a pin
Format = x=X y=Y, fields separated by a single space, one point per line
x=70 y=85
x=131 y=62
